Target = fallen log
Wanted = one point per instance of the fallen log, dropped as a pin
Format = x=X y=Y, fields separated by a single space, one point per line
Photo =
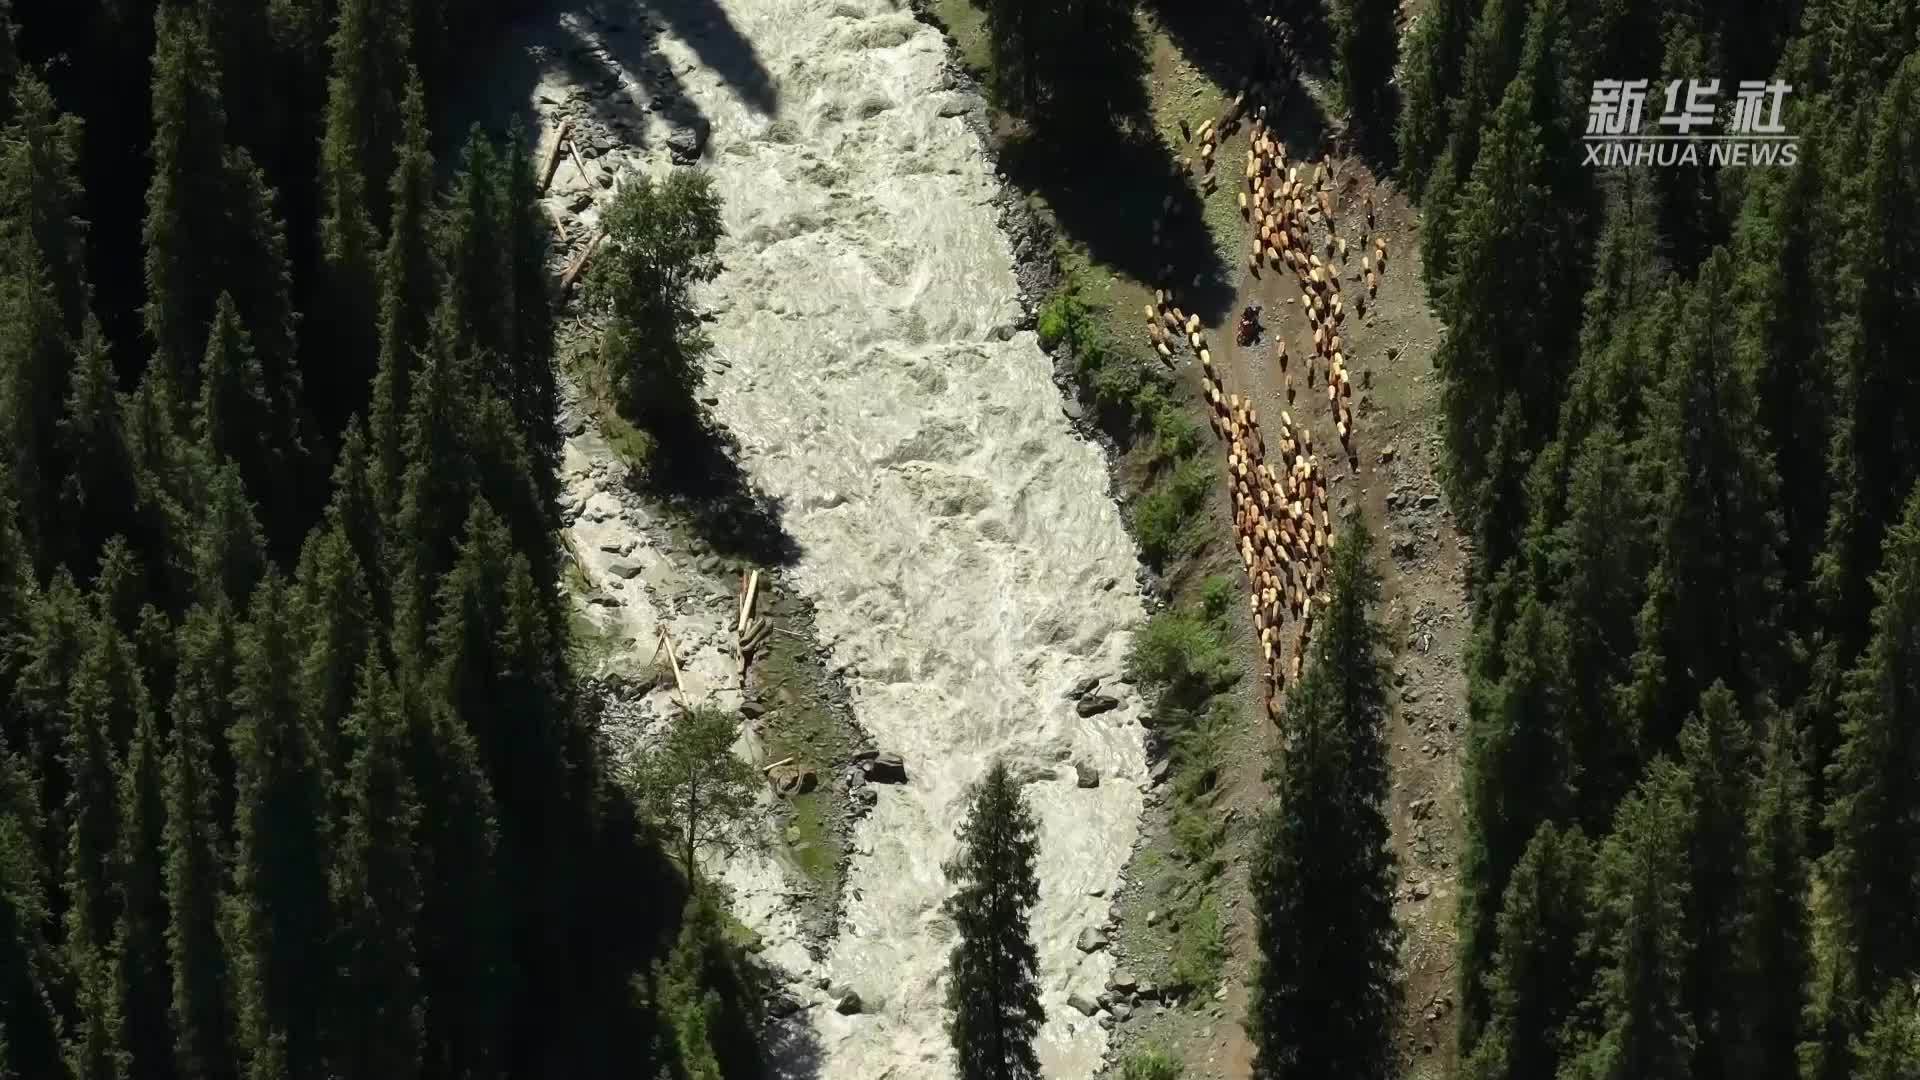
x=574 y=153
x=746 y=606
x=579 y=263
x=552 y=162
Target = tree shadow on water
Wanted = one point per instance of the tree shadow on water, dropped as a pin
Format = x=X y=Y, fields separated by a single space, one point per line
x=695 y=468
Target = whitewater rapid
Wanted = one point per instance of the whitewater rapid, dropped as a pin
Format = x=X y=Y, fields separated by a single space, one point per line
x=959 y=541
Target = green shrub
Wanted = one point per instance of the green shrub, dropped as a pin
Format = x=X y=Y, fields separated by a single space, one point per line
x=1183 y=653
x=1063 y=319
x=1163 y=518
x=1199 y=947
x=1152 y=1063
x=1216 y=596
x=1174 y=432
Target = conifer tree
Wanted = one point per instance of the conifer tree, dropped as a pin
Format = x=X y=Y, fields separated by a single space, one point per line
x=97 y=495
x=1435 y=51
x=356 y=122
x=235 y=419
x=201 y=1017
x=354 y=511
x=707 y=998
x=474 y=251
x=1518 y=776
x=335 y=630
x=34 y=362
x=185 y=202
x=1638 y=907
x=1713 y=608
x=408 y=276
x=29 y=970
x=1325 y=988
x=1865 y=898
x=1876 y=452
x=95 y=1049
x=533 y=390
x=376 y=894
x=228 y=554
x=145 y=982
x=277 y=914
x=463 y=962
x=1365 y=44
x=1492 y=56
x=1503 y=357
x=58 y=632
x=41 y=196
x=1537 y=972
x=1716 y=752
x=993 y=999
x=1891 y=1048
x=1774 y=933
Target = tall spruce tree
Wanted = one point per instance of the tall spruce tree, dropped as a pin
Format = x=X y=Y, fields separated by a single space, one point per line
x=1538 y=971
x=1325 y=987
x=145 y=982
x=409 y=274
x=1366 y=42
x=202 y=1018
x=1641 y=1029
x=1866 y=900
x=1435 y=51
x=378 y=1015
x=29 y=969
x=993 y=999
x=277 y=913
x=1772 y=973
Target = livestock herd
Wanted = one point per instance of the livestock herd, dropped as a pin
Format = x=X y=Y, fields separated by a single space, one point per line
x=1282 y=520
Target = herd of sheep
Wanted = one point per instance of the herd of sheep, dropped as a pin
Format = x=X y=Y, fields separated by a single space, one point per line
x=1283 y=525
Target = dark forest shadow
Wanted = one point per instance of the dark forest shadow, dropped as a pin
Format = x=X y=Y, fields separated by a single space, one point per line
x=1093 y=155
x=608 y=51
x=721 y=47
x=695 y=469
x=794 y=1050
x=1108 y=211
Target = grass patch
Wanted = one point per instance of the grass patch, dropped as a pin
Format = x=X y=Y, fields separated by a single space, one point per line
x=1152 y=1063
x=1183 y=655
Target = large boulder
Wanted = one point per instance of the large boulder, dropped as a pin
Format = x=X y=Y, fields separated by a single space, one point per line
x=1095 y=704
x=1085 y=775
x=885 y=768
x=1085 y=1004
x=849 y=1004
x=1092 y=939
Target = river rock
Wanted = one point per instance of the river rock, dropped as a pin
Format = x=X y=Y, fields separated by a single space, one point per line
x=625 y=569
x=849 y=1004
x=1085 y=775
x=1084 y=687
x=1092 y=939
x=1095 y=704
x=1122 y=982
x=685 y=143
x=885 y=769
x=1085 y=1004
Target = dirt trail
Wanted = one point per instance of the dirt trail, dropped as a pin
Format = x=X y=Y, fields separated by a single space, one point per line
x=1423 y=561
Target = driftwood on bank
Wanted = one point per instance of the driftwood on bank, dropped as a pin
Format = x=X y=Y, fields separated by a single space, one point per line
x=673 y=659
x=552 y=162
x=574 y=152
x=578 y=264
